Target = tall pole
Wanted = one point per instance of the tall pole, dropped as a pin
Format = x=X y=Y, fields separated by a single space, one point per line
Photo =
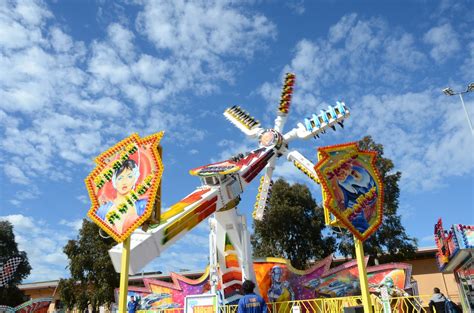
x=213 y=274
x=364 y=284
x=467 y=114
x=124 y=276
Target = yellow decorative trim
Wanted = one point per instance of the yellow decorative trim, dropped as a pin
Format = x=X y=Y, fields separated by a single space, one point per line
x=303 y=168
x=105 y=166
x=242 y=117
x=286 y=93
x=329 y=202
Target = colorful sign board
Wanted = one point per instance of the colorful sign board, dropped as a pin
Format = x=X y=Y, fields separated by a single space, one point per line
x=450 y=243
x=205 y=303
x=124 y=185
x=352 y=188
x=442 y=243
x=278 y=281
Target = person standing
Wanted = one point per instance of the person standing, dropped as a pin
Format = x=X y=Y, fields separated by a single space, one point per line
x=132 y=305
x=437 y=301
x=251 y=302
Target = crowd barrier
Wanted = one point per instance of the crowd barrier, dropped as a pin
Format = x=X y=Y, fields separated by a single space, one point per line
x=407 y=304
x=333 y=305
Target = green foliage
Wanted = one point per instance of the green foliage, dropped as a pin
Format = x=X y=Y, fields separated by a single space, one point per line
x=390 y=242
x=291 y=227
x=93 y=278
x=10 y=295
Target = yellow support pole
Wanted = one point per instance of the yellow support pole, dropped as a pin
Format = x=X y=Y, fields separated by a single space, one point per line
x=364 y=284
x=124 y=276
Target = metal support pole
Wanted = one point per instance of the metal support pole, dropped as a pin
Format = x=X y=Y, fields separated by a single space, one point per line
x=213 y=272
x=467 y=114
x=364 y=285
x=124 y=276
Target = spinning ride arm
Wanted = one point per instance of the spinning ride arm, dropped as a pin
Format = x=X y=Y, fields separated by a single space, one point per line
x=176 y=222
x=223 y=183
x=243 y=121
x=318 y=124
x=264 y=191
x=303 y=164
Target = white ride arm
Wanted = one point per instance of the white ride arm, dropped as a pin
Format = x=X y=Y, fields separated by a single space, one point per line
x=175 y=223
x=318 y=124
x=243 y=121
x=303 y=164
x=264 y=190
x=285 y=102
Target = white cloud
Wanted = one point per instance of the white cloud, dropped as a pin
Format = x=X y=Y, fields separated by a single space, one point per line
x=427 y=240
x=420 y=131
x=201 y=29
x=122 y=39
x=297 y=6
x=43 y=243
x=338 y=31
x=230 y=148
x=31 y=12
x=16 y=174
x=422 y=141
x=62 y=101
x=75 y=225
x=362 y=54
x=444 y=41
x=289 y=172
x=60 y=41
x=83 y=199
x=468 y=64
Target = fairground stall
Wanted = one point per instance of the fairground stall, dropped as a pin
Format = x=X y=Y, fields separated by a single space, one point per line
x=455 y=255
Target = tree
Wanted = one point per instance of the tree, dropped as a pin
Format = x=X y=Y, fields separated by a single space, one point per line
x=10 y=294
x=291 y=227
x=390 y=242
x=93 y=278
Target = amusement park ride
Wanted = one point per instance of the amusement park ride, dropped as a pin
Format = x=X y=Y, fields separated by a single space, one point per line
x=219 y=194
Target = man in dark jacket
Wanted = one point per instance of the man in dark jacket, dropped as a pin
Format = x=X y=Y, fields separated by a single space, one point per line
x=250 y=302
x=437 y=301
x=132 y=305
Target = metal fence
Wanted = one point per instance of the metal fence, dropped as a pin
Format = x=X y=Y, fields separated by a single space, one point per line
x=408 y=304
x=336 y=305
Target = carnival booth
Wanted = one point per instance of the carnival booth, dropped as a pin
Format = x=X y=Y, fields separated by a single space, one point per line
x=456 y=255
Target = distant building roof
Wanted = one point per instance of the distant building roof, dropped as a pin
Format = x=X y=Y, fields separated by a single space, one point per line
x=132 y=278
x=39 y=285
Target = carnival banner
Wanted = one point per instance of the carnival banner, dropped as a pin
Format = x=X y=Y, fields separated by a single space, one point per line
x=451 y=242
x=352 y=188
x=123 y=187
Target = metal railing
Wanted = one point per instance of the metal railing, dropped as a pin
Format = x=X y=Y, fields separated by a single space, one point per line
x=314 y=305
x=176 y=310
x=406 y=304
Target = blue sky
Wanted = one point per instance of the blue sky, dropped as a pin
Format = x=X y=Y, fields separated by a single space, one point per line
x=77 y=76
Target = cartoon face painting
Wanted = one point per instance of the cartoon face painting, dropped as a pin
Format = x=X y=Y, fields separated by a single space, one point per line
x=353 y=182
x=352 y=188
x=123 y=210
x=124 y=184
x=125 y=181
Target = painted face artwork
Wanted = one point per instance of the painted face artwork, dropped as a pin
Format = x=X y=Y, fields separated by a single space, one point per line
x=124 y=185
x=355 y=181
x=352 y=188
x=125 y=182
